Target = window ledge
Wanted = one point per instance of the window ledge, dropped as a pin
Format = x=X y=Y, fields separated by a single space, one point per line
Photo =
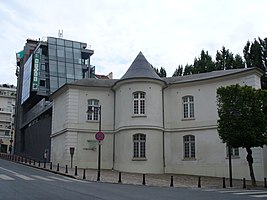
x=189 y=159
x=92 y=121
x=188 y=119
x=139 y=159
x=138 y=116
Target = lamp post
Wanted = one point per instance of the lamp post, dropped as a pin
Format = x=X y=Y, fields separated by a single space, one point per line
x=230 y=165
x=99 y=145
x=99 y=136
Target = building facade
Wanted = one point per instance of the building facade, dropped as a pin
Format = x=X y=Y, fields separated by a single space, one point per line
x=151 y=125
x=43 y=67
x=7 y=110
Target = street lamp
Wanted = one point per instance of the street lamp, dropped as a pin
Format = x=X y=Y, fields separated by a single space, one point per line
x=230 y=165
x=91 y=109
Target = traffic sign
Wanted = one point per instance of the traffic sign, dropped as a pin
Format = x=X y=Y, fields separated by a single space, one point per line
x=99 y=136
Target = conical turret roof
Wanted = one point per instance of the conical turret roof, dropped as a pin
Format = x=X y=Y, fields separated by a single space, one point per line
x=140 y=68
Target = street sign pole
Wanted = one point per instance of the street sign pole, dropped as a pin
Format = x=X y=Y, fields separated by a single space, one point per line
x=99 y=145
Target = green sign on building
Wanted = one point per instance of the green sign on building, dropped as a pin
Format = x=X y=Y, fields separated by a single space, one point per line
x=36 y=66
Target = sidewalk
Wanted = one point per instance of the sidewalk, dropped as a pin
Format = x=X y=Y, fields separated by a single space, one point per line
x=164 y=180
x=112 y=176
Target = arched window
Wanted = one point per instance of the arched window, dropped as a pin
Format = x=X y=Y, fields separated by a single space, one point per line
x=139 y=145
x=93 y=114
x=188 y=106
x=189 y=146
x=139 y=103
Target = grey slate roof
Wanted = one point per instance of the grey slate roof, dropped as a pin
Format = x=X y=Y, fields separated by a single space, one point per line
x=140 y=68
x=91 y=82
x=203 y=76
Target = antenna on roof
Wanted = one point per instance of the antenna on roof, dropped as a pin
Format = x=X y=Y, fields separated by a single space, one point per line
x=60 y=33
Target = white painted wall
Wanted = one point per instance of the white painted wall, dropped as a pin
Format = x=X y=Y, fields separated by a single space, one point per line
x=210 y=151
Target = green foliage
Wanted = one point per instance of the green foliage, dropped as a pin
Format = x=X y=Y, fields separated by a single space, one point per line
x=242 y=116
x=204 y=63
x=255 y=55
x=188 y=70
x=161 y=72
x=178 y=71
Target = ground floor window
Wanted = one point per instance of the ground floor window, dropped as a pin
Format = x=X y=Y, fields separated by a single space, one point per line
x=139 y=145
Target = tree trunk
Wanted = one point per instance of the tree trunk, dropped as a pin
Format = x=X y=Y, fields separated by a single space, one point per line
x=250 y=162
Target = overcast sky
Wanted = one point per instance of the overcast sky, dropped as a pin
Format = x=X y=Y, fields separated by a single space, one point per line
x=168 y=32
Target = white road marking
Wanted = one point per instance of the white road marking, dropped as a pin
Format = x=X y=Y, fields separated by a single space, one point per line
x=8 y=170
x=254 y=192
x=5 y=177
x=76 y=180
x=24 y=177
x=42 y=178
x=59 y=179
x=259 y=196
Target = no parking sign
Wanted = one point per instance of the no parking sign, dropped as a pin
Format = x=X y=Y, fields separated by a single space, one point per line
x=99 y=136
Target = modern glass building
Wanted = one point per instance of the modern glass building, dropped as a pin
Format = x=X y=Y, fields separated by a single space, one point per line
x=42 y=68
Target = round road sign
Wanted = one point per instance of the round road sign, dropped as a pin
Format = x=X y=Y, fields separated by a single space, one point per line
x=99 y=136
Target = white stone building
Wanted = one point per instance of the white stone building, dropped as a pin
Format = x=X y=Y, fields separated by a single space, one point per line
x=151 y=125
x=7 y=105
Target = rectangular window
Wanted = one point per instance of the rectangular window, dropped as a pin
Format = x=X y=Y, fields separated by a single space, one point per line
x=139 y=145
x=234 y=151
x=139 y=103
x=188 y=107
x=189 y=146
x=93 y=110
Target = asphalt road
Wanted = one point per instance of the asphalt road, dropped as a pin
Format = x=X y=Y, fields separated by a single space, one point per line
x=22 y=182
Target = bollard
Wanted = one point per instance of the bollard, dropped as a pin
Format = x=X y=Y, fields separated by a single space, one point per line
x=199 y=182
x=34 y=162
x=224 y=186
x=57 y=167
x=30 y=161
x=39 y=163
x=265 y=183
x=44 y=164
x=144 y=179
x=244 y=183
x=26 y=160
x=51 y=166
x=171 y=185
x=76 y=173
x=84 y=174
x=66 y=170
x=119 y=181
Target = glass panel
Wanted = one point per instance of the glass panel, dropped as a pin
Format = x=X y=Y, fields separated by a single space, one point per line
x=68 y=43
x=51 y=40
x=60 y=52
x=70 y=70
x=142 y=106
x=60 y=42
x=78 y=71
x=76 y=45
x=61 y=69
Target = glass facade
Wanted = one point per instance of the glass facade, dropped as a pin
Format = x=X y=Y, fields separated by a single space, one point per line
x=68 y=61
x=60 y=61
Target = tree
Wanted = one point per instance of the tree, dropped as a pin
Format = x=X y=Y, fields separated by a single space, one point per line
x=204 y=63
x=178 y=71
x=255 y=55
x=188 y=70
x=224 y=59
x=162 y=72
x=243 y=119
x=238 y=62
